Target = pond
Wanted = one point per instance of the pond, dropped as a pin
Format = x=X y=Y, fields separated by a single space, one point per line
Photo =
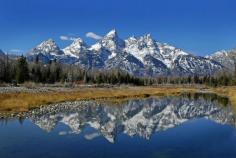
x=190 y=125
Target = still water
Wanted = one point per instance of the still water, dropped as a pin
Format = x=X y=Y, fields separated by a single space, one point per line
x=200 y=125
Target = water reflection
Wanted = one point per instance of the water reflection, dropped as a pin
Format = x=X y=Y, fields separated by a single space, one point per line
x=136 y=117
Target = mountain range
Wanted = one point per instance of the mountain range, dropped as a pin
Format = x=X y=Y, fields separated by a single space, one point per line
x=139 y=56
x=226 y=58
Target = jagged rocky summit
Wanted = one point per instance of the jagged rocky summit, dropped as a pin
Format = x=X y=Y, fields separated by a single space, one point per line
x=227 y=58
x=139 y=56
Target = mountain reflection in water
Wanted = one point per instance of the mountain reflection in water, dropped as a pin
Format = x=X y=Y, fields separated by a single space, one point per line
x=136 y=117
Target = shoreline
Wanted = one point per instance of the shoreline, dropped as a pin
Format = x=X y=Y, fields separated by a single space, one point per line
x=25 y=99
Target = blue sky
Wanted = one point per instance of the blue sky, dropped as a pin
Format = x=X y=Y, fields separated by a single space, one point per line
x=197 y=26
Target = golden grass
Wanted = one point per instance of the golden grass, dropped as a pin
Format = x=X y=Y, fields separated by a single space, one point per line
x=19 y=102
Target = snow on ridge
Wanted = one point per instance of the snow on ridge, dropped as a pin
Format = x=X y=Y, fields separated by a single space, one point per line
x=141 y=55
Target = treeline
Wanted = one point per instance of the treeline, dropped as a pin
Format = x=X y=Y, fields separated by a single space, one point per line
x=221 y=79
x=20 y=71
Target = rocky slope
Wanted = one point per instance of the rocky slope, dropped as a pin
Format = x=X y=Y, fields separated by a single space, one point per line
x=140 y=56
x=226 y=58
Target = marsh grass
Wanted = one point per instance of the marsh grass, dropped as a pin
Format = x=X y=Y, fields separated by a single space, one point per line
x=23 y=101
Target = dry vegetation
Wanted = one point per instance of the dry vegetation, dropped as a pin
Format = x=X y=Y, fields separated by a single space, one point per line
x=23 y=101
x=18 y=102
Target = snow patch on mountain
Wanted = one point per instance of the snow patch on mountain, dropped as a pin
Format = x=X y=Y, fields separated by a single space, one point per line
x=76 y=48
x=140 y=56
x=226 y=58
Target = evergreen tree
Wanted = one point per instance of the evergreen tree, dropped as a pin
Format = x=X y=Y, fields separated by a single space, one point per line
x=7 y=70
x=22 y=71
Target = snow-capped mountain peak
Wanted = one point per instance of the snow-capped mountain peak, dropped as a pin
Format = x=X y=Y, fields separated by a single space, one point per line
x=47 y=47
x=142 y=46
x=226 y=58
x=76 y=48
x=140 y=56
x=95 y=47
x=147 y=46
x=49 y=44
x=112 y=33
x=219 y=54
x=112 y=42
x=148 y=38
x=79 y=42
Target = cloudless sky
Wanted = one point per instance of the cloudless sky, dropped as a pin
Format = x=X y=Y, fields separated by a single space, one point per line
x=197 y=26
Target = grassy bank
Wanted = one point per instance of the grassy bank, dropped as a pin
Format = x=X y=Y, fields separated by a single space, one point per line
x=23 y=101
